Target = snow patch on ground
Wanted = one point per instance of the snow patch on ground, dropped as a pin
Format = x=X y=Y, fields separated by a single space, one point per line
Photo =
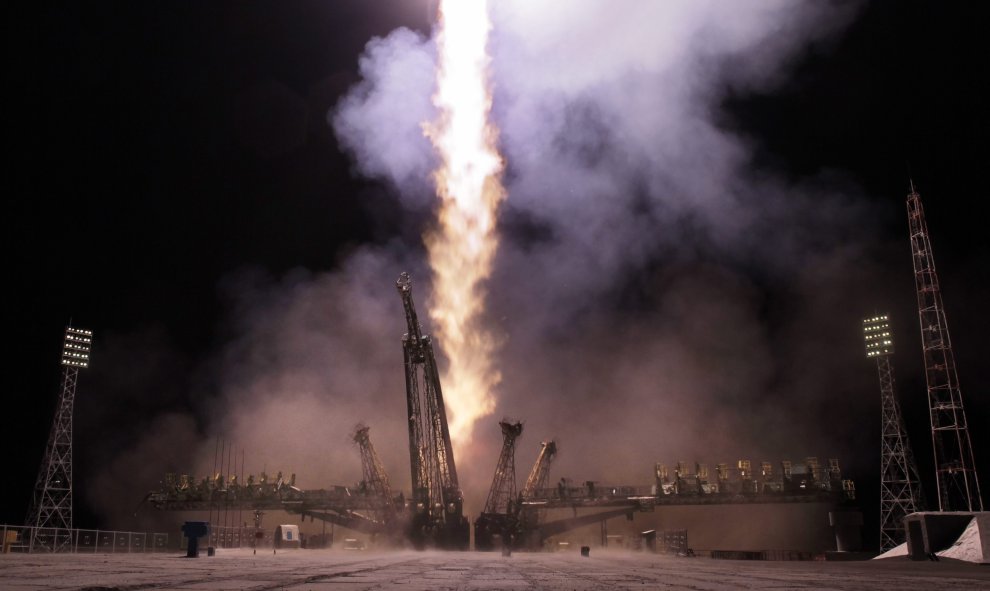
x=970 y=547
x=896 y=551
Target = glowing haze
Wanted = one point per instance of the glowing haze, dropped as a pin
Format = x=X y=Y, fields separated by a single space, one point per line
x=658 y=289
x=462 y=245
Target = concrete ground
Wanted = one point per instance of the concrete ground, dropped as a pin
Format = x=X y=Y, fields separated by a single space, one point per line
x=324 y=570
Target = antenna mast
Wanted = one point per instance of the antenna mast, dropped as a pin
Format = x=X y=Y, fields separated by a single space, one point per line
x=955 y=471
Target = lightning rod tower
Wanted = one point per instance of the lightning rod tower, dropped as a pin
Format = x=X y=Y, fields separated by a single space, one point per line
x=51 y=505
x=955 y=471
x=900 y=486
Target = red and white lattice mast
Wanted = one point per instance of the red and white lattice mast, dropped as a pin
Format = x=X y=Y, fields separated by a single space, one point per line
x=955 y=470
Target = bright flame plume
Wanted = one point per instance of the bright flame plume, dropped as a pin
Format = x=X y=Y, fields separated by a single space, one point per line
x=463 y=244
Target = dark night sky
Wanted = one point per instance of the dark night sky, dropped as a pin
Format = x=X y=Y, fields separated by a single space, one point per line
x=156 y=149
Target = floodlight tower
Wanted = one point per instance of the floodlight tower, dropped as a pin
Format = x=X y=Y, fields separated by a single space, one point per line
x=51 y=506
x=955 y=470
x=900 y=486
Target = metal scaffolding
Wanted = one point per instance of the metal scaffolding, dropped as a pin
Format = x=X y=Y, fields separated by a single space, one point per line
x=530 y=516
x=900 y=486
x=955 y=470
x=500 y=515
x=437 y=502
x=375 y=479
x=503 y=491
x=51 y=506
x=539 y=476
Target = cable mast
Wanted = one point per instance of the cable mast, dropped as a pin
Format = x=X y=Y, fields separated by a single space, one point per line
x=955 y=471
x=51 y=505
x=900 y=486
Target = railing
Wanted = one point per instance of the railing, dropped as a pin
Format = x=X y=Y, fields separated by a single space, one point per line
x=221 y=536
x=238 y=537
x=24 y=538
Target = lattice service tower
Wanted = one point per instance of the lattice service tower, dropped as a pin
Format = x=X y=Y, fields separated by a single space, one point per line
x=375 y=477
x=900 y=486
x=499 y=516
x=539 y=479
x=955 y=471
x=503 y=491
x=51 y=505
x=437 y=502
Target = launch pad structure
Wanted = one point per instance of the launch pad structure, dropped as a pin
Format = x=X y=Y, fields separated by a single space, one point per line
x=499 y=519
x=432 y=516
x=437 y=508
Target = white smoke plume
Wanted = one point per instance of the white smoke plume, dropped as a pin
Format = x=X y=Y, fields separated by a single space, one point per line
x=632 y=328
x=657 y=299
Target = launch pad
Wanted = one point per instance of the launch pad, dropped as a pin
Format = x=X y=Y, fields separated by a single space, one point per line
x=432 y=516
x=327 y=570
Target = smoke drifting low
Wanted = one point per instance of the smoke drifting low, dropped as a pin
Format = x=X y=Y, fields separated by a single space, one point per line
x=658 y=299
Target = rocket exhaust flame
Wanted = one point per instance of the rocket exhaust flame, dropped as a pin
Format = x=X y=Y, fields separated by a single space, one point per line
x=462 y=246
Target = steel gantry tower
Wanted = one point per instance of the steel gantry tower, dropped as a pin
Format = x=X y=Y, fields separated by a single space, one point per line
x=499 y=516
x=503 y=491
x=51 y=505
x=955 y=471
x=539 y=476
x=437 y=501
x=375 y=477
x=900 y=486
x=538 y=479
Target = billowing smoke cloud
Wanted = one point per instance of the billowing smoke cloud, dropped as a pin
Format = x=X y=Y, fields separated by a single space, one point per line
x=313 y=356
x=657 y=299
x=625 y=291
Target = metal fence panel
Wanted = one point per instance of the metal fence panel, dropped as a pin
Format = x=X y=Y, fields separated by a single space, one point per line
x=27 y=539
